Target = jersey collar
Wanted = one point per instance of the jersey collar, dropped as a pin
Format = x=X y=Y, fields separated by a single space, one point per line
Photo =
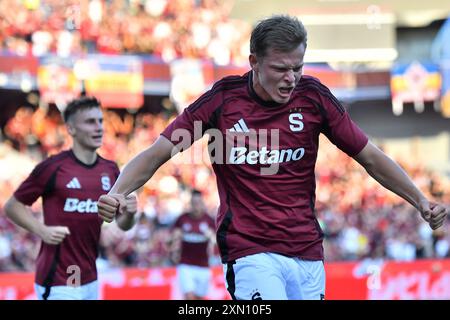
x=82 y=163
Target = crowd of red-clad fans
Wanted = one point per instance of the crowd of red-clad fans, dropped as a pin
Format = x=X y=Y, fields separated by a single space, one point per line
x=360 y=219
x=169 y=29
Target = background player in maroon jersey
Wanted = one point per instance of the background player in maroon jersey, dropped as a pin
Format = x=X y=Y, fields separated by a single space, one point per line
x=192 y=241
x=267 y=232
x=70 y=184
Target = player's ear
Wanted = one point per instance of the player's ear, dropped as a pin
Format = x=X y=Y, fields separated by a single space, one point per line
x=253 y=62
x=70 y=128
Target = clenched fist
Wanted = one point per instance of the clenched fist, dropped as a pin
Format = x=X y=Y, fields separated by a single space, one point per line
x=433 y=213
x=111 y=204
x=131 y=204
x=53 y=234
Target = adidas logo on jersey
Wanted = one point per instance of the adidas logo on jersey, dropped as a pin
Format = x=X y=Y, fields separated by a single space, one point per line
x=240 y=126
x=77 y=205
x=239 y=155
x=74 y=184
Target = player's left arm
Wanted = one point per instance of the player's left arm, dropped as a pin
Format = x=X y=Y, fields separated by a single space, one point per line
x=126 y=220
x=212 y=241
x=390 y=175
x=211 y=235
x=174 y=244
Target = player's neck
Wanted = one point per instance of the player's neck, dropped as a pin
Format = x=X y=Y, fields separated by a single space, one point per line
x=258 y=88
x=84 y=155
x=196 y=215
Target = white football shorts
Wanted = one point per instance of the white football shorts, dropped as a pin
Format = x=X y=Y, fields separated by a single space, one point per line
x=88 y=291
x=194 y=279
x=271 y=276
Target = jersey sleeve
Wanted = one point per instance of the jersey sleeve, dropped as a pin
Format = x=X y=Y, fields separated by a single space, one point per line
x=193 y=122
x=340 y=129
x=35 y=184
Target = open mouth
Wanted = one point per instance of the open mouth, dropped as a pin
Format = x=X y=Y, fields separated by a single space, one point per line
x=99 y=137
x=286 y=91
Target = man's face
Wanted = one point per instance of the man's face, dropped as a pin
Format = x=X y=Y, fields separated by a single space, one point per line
x=277 y=74
x=197 y=204
x=86 y=128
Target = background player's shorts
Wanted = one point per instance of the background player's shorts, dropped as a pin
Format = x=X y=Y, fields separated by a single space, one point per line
x=271 y=276
x=88 y=291
x=194 y=279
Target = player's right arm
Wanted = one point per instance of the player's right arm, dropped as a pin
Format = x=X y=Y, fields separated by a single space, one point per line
x=20 y=215
x=135 y=174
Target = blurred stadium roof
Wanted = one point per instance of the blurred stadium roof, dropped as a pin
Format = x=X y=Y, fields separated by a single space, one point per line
x=348 y=30
x=408 y=13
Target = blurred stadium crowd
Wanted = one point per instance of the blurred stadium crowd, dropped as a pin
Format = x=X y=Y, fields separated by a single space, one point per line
x=163 y=28
x=359 y=218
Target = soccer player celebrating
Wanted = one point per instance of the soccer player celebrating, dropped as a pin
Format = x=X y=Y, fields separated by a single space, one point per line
x=267 y=232
x=70 y=184
x=192 y=241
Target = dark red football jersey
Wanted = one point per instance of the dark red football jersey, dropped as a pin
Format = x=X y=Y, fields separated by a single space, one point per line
x=194 y=243
x=69 y=191
x=262 y=212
